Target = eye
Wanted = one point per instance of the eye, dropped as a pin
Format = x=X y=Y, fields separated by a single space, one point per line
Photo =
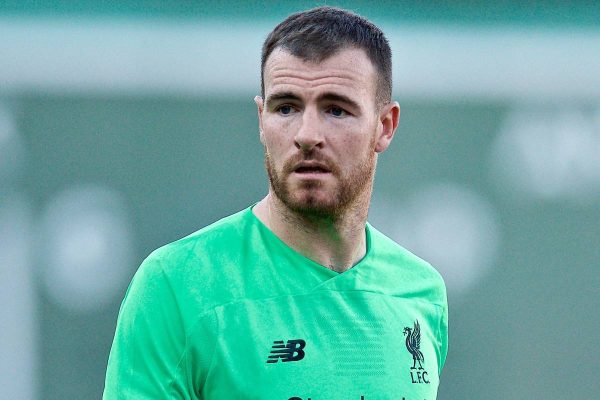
x=285 y=109
x=337 y=111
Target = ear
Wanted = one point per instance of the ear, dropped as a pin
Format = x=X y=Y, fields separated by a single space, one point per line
x=389 y=117
x=260 y=106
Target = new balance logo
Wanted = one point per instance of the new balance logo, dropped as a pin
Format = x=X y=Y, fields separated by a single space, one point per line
x=293 y=350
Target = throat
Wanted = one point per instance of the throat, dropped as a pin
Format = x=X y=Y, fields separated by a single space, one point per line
x=336 y=243
x=328 y=241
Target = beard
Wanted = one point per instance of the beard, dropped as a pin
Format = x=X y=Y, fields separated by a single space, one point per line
x=311 y=198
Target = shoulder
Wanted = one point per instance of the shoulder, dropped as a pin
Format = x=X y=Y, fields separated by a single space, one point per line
x=406 y=270
x=197 y=267
x=220 y=235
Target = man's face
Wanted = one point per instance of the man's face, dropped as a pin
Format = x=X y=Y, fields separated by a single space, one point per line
x=321 y=130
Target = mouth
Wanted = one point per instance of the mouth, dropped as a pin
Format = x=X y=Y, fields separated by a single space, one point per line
x=311 y=168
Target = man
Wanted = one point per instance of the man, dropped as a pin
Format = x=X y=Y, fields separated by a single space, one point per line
x=296 y=297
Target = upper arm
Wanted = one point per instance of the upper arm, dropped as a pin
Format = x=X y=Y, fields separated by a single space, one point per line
x=443 y=333
x=150 y=341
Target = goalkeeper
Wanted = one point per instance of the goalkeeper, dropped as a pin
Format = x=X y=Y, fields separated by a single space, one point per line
x=296 y=297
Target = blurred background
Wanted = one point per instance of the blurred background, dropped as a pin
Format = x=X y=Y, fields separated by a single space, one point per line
x=127 y=125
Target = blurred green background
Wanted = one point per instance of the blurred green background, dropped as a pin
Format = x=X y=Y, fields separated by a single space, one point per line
x=124 y=126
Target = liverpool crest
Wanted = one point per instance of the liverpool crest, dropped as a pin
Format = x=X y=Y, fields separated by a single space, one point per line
x=413 y=345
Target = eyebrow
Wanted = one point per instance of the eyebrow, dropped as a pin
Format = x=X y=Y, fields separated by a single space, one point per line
x=339 y=98
x=281 y=96
x=329 y=96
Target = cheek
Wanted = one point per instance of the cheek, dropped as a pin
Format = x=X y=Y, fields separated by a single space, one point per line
x=273 y=143
x=277 y=135
x=273 y=131
x=275 y=148
x=354 y=146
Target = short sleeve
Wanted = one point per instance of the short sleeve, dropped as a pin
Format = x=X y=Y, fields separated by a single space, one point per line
x=443 y=333
x=150 y=341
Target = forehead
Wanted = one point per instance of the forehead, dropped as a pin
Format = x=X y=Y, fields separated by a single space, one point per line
x=348 y=70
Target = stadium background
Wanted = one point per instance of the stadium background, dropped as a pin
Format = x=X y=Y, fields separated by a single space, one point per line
x=126 y=125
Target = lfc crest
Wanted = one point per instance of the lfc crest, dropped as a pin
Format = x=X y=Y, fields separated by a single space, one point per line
x=413 y=345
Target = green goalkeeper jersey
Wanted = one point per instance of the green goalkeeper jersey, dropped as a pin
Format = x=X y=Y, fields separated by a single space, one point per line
x=232 y=312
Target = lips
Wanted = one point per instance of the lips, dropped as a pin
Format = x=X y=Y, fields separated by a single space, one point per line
x=311 y=167
x=307 y=170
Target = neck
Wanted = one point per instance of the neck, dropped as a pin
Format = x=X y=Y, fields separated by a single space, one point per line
x=336 y=242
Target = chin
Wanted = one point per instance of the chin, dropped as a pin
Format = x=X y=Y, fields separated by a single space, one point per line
x=314 y=204
x=313 y=198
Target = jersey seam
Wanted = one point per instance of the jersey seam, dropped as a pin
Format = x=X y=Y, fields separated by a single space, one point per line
x=214 y=350
x=439 y=338
x=185 y=352
x=234 y=301
x=385 y=294
x=174 y=371
x=443 y=346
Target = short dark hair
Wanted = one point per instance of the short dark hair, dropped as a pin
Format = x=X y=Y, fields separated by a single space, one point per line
x=316 y=34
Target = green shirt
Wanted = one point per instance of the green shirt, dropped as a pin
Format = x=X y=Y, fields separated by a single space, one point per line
x=232 y=312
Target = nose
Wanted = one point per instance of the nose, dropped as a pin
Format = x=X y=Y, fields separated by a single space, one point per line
x=309 y=134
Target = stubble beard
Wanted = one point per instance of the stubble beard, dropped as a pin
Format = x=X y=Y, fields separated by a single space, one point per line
x=353 y=187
